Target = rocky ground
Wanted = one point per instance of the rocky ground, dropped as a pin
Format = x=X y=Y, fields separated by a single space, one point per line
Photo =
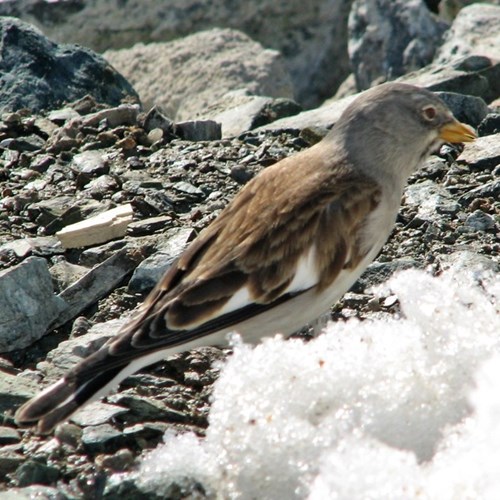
x=68 y=164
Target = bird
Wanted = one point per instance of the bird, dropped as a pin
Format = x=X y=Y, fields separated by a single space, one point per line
x=281 y=253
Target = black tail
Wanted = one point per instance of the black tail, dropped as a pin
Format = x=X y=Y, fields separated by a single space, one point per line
x=85 y=382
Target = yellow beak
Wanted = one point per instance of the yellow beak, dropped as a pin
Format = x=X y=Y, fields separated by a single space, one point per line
x=457 y=132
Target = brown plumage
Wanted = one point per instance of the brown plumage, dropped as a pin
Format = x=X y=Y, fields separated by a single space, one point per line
x=289 y=245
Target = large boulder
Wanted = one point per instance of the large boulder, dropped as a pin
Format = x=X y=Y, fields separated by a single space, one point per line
x=475 y=31
x=312 y=37
x=388 y=38
x=187 y=75
x=38 y=74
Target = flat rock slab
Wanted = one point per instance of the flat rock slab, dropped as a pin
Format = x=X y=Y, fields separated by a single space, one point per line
x=28 y=305
x=97 y=283
x=98 y=229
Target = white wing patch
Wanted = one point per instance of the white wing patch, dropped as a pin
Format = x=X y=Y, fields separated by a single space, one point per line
x=306 y=274
x=239 y=300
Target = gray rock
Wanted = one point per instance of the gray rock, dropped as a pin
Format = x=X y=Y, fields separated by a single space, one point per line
x=70 y=352
x=466 y=108
x=239 y=112
x=188 y=188
x=324 y=116
x=480 y=221
x=475 y=31
x=155 y=118
x=490 y=125
x=474 y=75
x=148 y=226
x=28 y=305
x=14 y=391
x=90 y=163
x=431 y=199
x=482 y=83
x=145 y=408
x=467 y=261
x=99 y=438
x=11 y=458
x=95 y=284
x=482 y=153
x=97 y=413
x=65 y=274
x=42 y=245
x=312 y=39
x=198 y=130
x=389 y=38
x=228 y=59
x=35 y=491
x=34 y=472
x=125 y=114
x=489 y=189
x=38 y=74
x=8 y=435
x=379 y=272
x=150 y=270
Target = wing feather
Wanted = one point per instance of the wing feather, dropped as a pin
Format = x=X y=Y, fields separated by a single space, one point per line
x=258 y=244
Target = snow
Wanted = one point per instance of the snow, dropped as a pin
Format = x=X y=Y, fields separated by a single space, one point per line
x=394 y=408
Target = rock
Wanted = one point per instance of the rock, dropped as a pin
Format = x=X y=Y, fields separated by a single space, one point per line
x=70 y=352
x=482 y=153
x=69 y=434
x=8 y=435
x=98 y=229
x=379 y=272
x=90 y=164
x=198 y=130
x=28 y=305
x=188 y=188
x=95 y=284
x=60 y=211
x=65 y=273
x=312 y=39
x=475 y=31
x=14 y=391
x=150 y=270
x=227 y=58
x=10 y=460
x=148 y=226
x=145 y=408
x=239 y=112
x=42 y=245
x=155 y=118
x=99 y=438
x=466 y=108
x=125 y=114
x=466 y=261
x=389 y=38
x=97 y=413
x=35 y=472
x=431 y=199
x=324 y=116
x=474 y=75
x=118 y=462
x=480 y=221
x=39 y=74
x=37 y=491
x=490 y=125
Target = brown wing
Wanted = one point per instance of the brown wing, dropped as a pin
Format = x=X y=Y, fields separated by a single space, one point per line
x=256 y=243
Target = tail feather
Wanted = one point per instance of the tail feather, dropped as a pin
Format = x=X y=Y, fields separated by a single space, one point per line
x=63 y=398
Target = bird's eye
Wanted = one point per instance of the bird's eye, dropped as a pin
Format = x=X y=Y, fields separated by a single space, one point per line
x=429 y=113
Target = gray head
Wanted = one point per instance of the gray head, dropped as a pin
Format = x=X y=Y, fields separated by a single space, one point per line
x=389 y=130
